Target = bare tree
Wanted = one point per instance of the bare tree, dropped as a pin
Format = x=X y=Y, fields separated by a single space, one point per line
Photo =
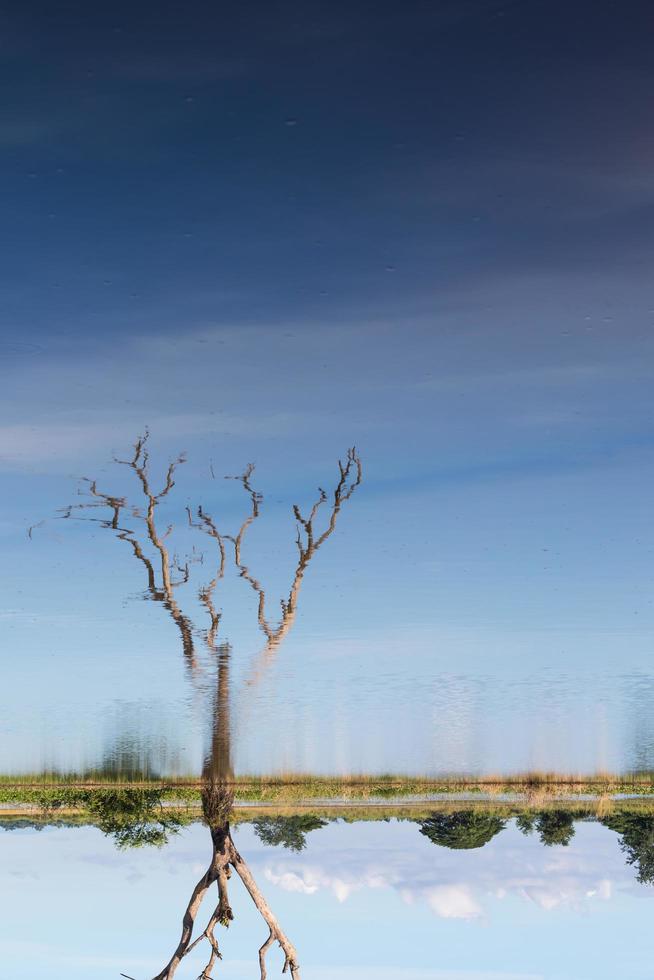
x=217 y=803
x=165 y=572
x=226 y=857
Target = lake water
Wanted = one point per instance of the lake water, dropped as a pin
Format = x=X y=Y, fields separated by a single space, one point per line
x=326 y=469
x=402 y=651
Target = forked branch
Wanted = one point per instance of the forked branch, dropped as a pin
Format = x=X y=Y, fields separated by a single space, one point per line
x=225 y=857
x=276 y=933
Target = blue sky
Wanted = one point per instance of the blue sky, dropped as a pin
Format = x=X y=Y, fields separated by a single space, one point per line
x=514 y=910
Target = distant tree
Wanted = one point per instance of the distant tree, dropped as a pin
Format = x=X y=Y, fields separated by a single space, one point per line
x=636 y=841
x=464 y=829
x=289 y=832
x=552 y=826
x=24 y=823
x=525 y=822
x=555 y=827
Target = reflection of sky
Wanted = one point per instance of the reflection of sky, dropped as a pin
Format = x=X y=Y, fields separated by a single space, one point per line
x=425 y=231
x=513 y=910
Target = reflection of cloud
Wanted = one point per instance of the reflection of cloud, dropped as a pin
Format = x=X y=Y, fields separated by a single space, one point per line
x=24 y=132
x=482 y=385
x=71 y=439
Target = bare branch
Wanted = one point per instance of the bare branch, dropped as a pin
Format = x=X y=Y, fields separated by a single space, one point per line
x=276 y=932
x=33 y=527
x=262 y=954
x=188 y=921
x=218 y=872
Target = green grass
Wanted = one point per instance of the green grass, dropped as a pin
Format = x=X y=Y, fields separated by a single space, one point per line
x=80 y=815
x=51 y=803
x=37 y=789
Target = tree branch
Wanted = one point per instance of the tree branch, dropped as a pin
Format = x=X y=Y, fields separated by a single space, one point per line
x=276 y=932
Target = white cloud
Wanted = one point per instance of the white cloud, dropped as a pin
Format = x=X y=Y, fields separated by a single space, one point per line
x=312 y=878
x=453 y=902
x=456 y=885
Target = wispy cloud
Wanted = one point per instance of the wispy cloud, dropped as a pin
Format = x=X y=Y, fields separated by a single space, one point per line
x=456 y=886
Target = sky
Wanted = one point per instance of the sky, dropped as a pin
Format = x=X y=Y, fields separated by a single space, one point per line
x=271 y=233
x=512 y=910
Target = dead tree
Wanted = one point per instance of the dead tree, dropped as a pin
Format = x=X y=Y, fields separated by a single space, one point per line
x=217 y=803
x=225 y=859
x=165 y=572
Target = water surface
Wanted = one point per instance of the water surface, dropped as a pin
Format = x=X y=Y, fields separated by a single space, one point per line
x=326 y=371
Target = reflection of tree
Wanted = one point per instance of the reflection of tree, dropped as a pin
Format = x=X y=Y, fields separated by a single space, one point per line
x=552 y=826
x=308 y=542
x=463 y=829
x=636 y=840
x=160 y=588
x=289 y=832
x=217 y=802
x=134 y=816
x=166 y=571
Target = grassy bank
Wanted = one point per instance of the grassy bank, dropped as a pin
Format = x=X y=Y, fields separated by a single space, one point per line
x=85 y=812
x=291 y=788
